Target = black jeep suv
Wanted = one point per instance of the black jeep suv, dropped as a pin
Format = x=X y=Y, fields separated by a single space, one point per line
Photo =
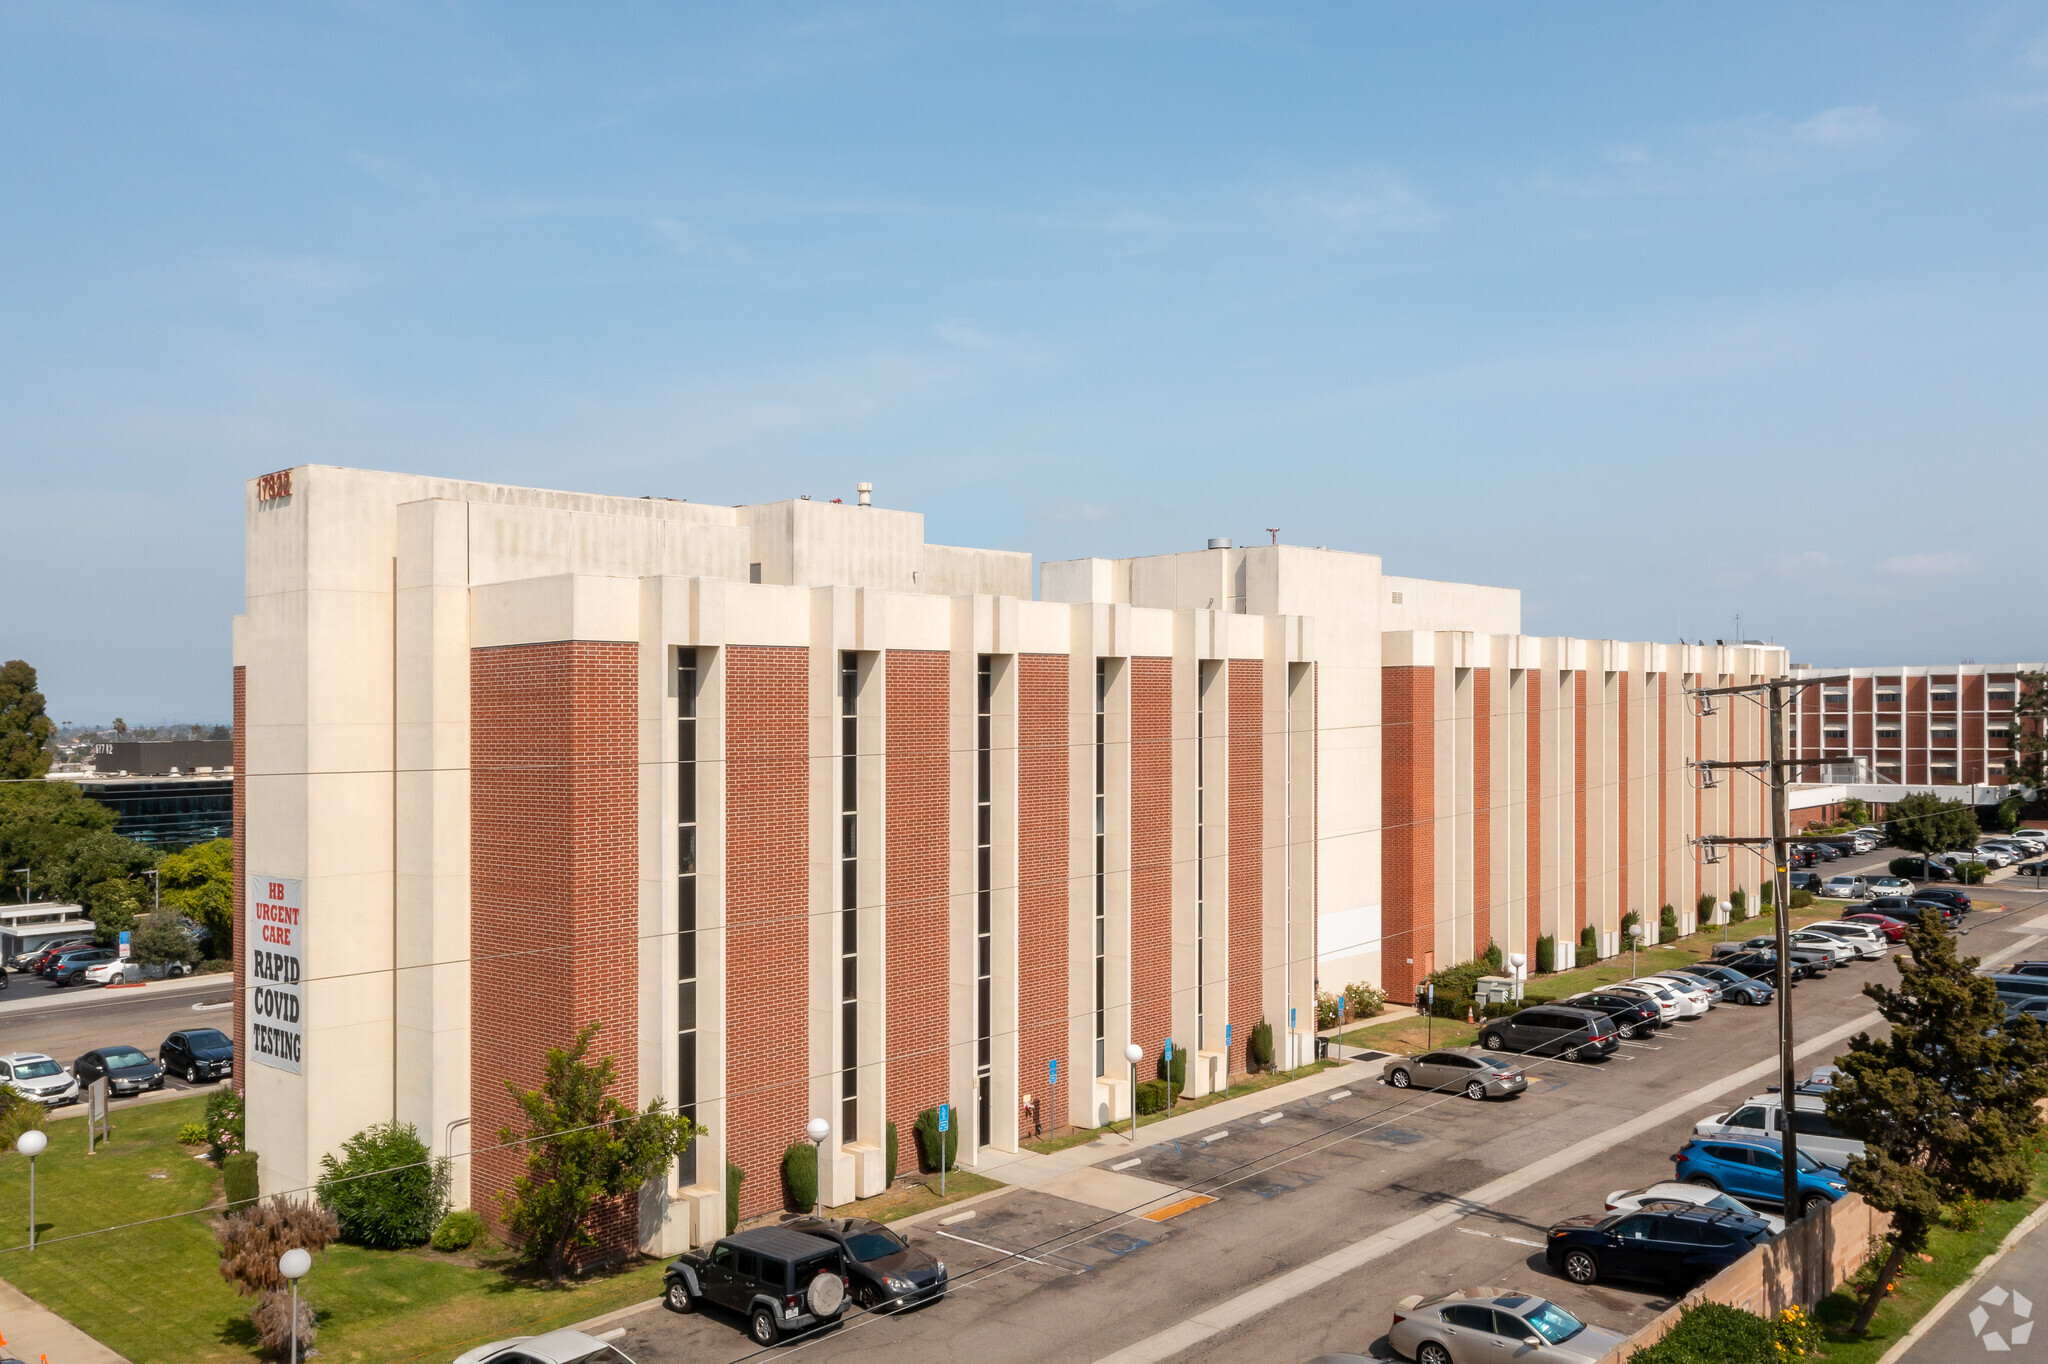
x=781 y=1281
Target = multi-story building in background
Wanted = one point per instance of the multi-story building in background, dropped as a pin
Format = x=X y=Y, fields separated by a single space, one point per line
x=817 y=819
x=1948 y=725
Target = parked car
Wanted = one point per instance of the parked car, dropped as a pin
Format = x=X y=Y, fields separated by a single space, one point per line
x=1679 y=1246
x=1982 y=854
x=1451 y=1328
x=1465 y=1070
x=556 y=1347
x=883 y=1269
x=1752 y=1168
x=32 y=962
x=1957 y=900
x=2035 y=1008
x=1911 y=911
x=1815 y=960
x=1693 y=1000
x=68 y=968
x=1890 y=885
x=1764 y=1116
x=1868 y=942
x=2027 y=968
x=1675 y=1193
x=1826 y=852
x=2019 y=852
x=1894 y=930
x=1920 y=869
x=1808 y=881
x=1760 y=965
x=1845 y=888
x=39 y=1077
x=126 y=1069
x=1633 y=1015
x=1843 y=950
x=198 y=1054
x=1553 y=1030
x=1688 y=980
x=781 y=1281
x=1878 y=836
x=2011 y=987
x=1735 y=986
x=114 y=972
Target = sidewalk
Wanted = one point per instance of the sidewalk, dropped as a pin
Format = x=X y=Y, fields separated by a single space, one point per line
x=31 y=1331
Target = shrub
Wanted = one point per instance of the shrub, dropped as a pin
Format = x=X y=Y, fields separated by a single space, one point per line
x=888 y=1154
x=1738 y=905
x=251 y=1242
x=1491 y=958
x=1768 y=893
x=387 y=1190
x=1714 y=1334
x=225 y=1129
x=1972 y=873
x=929 y=1155
x=1667 y=924
x=1363 y=1000
x=1179 y=1077
x=1967 y=1213
x=1802 y=899
x=1327 y=1013
x=160 y=938
x=1151 y=1096
x=238 y=1175
x=1798 y=1335
x=18 y=1114
x=1546 y=955
x=734 y=1177
x=459 y=1230
x=1259 y=1045
x=1589 y=944
x=800 y=1176
x=192 y=1134
x=1705 y=907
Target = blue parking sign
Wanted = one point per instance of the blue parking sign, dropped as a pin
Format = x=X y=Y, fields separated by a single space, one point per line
x=1290 y=1018
x=945 y=1116
x=1055 y=1070
x=1226 y=1034
x=1169 y=1048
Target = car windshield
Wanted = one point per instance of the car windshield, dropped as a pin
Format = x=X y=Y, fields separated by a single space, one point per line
x=34 y=1070
x=1553 y=1323
x=1726 y=1204
x=1809 y=1164
x=125 y=1060
x=872 y=1245
x=604 y=1354
x=207 y=1037
x=1496 y=1063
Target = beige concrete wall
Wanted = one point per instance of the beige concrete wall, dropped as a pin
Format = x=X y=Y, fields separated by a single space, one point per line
x=1427 y=605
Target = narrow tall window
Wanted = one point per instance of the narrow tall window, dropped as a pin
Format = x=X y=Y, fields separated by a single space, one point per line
x=1202 y=675
x=849 y=896
x=1101 y=867
x=686 y=902
x=984 y=892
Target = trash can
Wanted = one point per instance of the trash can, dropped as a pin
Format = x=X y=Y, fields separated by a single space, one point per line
x=1322 y=1048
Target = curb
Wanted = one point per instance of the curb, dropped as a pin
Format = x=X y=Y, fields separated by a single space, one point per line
x=1955 y=1295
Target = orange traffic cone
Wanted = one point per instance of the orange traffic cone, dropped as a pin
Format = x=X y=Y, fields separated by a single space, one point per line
x=1468 y=1011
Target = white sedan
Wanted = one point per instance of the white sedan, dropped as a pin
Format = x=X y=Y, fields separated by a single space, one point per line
x=113 y=972
x=1451 y=1328
x=1692 y=1003
x=556 y=1347
x=1665 y=1000
x=1671 y=1194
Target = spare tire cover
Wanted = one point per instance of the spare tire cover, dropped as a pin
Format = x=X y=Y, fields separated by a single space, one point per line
x=825 y=1295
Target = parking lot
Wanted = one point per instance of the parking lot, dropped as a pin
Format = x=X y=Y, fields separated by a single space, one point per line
x=1393 y=1192
x=64 y=1023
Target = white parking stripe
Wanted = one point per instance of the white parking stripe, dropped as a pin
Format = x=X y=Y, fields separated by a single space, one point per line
x=1271 y=1117
x=1125 y=1165
x=1496 y=1236
x=1216 y=1136
x=1340 y=1094
x=1015 y=1254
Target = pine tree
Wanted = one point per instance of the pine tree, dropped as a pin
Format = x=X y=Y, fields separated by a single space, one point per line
x=1945 y=1104
x=24 y=724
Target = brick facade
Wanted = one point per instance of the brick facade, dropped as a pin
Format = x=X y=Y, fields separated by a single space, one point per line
x=767 y=913
x=1408 y=817
x=1151 y=853
x=915 y=829
x=1043 y=837
x=554 y=866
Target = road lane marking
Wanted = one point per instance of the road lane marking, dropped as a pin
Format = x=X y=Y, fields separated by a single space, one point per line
x=956 y=1217
x=1015 y=1254
x=1125 y=1165
x=1242 y=1307
x=1271 y=1117
x=1496 y=1236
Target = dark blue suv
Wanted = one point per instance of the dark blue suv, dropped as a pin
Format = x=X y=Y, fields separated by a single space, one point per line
x=1677 y=1245
x=1752 y=1168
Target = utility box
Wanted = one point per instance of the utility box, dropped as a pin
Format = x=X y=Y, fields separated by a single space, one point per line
x=1495 y=989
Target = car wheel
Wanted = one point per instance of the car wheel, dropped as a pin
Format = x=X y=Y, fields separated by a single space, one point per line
x=1492 y=1041
x=1703 y=1182
x=867 y=1297
x=677 y=1298
x=1813 y=1203
x=1626 y=1032
x=762 y=1326
x=1399 y=1079
x=1475 y=1090
x=1571 y=1054
x=192 y=1075
x=1429 y=1352
x=1580 y=1266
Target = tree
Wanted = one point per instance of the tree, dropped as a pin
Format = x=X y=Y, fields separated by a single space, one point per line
x=2008 y=815
x=120 y=725
x=583 y=1146
x=24 y=724
x=2030 y=735
x=1926 y=824
x=160 y=939
x=200 y=884
x=251 y=1243
x=1855 y=811
x=387 y=1190
x=1945 y=1104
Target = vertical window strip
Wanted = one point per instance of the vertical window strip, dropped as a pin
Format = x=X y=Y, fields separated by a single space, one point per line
x=686 y=902
x=983 y=894
x=1202 y=676
x=849 y=897
x=1101 y=866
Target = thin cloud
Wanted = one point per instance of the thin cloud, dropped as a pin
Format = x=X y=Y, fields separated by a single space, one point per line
x=1732 y=155
x=1358 y=204
x=1928 y=564
x=1074 y=511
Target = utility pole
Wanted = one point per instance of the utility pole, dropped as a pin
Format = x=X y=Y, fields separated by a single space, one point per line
x=1776 y=771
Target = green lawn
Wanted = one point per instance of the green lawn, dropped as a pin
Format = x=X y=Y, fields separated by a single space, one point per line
x=154 y=1292
x=1240 y=1085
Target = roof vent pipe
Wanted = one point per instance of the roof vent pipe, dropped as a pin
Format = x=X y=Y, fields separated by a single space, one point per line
x=1219 y=542
x=867 y=493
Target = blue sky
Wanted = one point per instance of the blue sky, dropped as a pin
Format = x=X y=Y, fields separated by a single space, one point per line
x=1660 y=313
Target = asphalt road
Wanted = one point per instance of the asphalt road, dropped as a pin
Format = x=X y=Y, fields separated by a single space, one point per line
x=65 y=1023
x=1381 y=1183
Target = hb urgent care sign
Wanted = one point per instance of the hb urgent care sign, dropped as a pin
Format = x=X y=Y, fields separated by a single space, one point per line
x=276 y=934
